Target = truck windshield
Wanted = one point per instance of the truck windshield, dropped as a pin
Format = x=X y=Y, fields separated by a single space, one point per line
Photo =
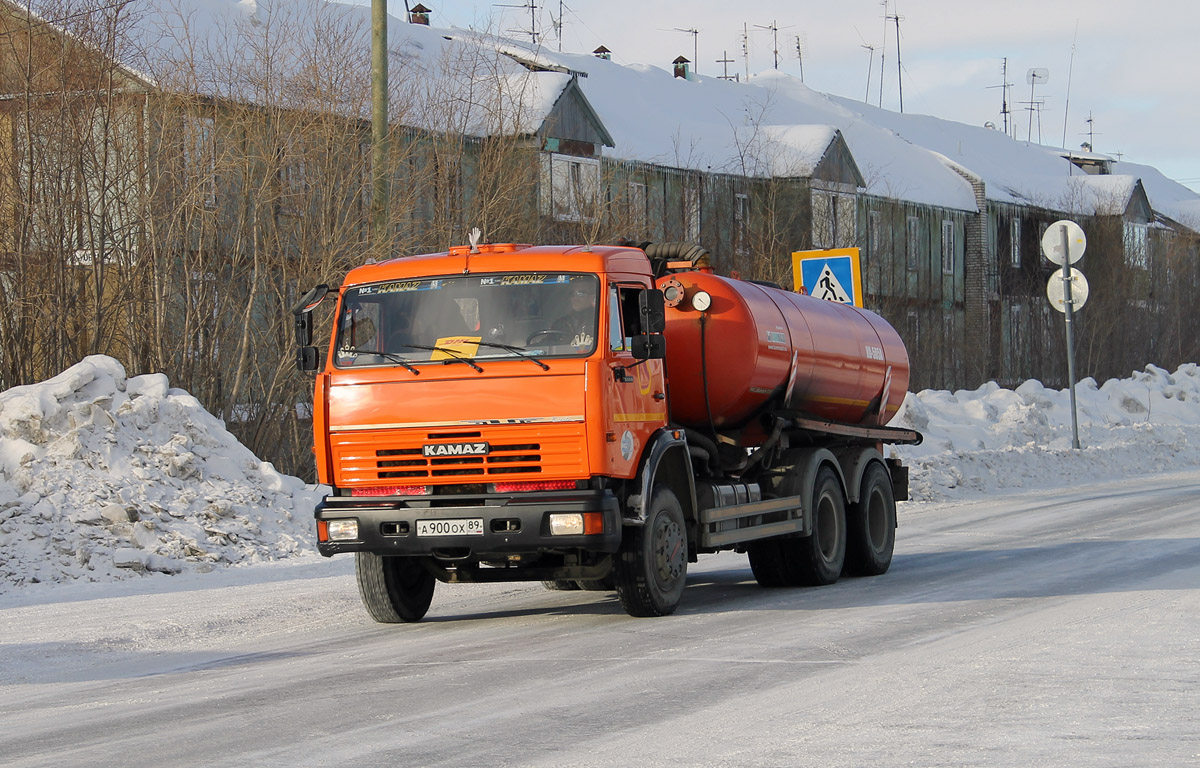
x=470 y=317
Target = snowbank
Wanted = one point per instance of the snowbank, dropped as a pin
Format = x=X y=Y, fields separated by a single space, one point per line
x=104 y=477
x=990 y=438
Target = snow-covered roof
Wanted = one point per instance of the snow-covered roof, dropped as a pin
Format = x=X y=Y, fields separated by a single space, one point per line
x=771 y=125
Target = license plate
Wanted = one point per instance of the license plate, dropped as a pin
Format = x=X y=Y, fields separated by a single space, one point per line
x=468 y=526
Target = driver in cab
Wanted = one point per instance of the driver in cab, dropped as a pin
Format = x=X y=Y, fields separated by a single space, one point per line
x=579 y=324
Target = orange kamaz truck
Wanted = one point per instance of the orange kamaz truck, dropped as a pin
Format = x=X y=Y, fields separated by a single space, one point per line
x=597 y=417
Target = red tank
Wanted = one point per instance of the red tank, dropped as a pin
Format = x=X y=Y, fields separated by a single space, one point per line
x=830 y=360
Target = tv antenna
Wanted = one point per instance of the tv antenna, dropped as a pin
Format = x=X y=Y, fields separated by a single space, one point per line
x=1091 y=133
x=695 y=33
x=800 y=56
x=533 y=30
x=774 y=29
x=899 y=71
x=1070 y=71
x=1004 y=86
x=883 y=50
x=725 y=61
x=1035 y=76
x=870 y=66
x=746 y=49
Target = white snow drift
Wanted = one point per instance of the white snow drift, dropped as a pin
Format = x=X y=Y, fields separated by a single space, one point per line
x=104 y=477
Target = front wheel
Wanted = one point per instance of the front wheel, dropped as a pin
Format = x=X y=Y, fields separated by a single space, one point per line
x=651 y=568
x=393 y=589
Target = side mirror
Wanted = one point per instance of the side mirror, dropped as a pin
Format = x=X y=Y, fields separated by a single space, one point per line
x=652 y=310
x=302 y=310
x=307 y=359
x=649 y=347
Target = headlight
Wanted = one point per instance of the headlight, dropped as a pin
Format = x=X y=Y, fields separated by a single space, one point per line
x=343 y=530
x=566 y=524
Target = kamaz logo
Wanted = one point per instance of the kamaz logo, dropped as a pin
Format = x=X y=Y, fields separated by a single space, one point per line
x=456 y=449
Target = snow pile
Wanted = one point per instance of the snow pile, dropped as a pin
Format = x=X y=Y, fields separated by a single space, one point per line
x=103 y=478
x=991 y=438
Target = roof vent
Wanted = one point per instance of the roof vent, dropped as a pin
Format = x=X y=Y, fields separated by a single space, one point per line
x=602 y=53
x=681 y=67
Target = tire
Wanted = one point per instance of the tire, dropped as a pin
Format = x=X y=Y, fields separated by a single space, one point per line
x=651 y=568
x=393 y=589
x=871 y=525
x=766 y=561
x=560 y=585
x=817 y=560
x=814 y=560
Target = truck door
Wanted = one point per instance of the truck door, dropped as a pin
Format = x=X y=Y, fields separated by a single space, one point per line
x=635 y=390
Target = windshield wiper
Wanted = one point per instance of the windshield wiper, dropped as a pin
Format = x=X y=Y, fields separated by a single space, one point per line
x=388 y=356
x=455 y=355
x=518 y=351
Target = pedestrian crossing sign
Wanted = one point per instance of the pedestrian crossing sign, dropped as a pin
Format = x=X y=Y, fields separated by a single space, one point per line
x=833 y=275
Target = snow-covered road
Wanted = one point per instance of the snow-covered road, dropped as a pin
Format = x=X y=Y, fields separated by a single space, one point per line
x=1049 y=628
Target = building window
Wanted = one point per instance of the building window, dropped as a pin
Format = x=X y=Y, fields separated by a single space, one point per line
x=948 y=247
x=1015 y=255
x=637 y=209
x=875 y=232
x=200 y=157
x=823 y=225
x=1137 y=246
x=691 y=213
x=913 y=238
x=741 y=224
x=569 y=187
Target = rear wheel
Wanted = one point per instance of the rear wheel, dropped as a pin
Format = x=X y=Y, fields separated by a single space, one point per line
x=813 y=560
x=818 y=559
x=651 y=568
x=871 y=525
x=393 y=589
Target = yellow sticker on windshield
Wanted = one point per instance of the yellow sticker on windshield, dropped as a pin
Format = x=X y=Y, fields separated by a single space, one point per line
x=455 y=346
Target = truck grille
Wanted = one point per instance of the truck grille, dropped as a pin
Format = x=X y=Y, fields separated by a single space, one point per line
x=513 y=452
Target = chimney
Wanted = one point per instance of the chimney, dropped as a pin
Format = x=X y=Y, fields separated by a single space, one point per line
x=419 y=15
x=602 y=53
x=681 y=67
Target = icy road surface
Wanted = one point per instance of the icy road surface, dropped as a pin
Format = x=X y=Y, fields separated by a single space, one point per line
x=1057 y=628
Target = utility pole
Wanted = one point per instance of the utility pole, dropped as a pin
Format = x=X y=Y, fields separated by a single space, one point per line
x=380 y=189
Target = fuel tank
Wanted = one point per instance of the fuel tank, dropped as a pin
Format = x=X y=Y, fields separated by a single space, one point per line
x=755 y=344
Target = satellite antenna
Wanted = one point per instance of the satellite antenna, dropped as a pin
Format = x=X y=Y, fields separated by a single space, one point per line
x=1035 y=76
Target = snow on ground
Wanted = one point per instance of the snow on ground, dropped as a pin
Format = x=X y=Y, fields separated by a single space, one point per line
x=105 y=478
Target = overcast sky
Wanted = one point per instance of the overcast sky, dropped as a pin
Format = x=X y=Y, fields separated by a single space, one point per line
x=1135 y=67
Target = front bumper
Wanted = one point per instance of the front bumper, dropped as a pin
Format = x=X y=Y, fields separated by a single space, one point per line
x=512 y=524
